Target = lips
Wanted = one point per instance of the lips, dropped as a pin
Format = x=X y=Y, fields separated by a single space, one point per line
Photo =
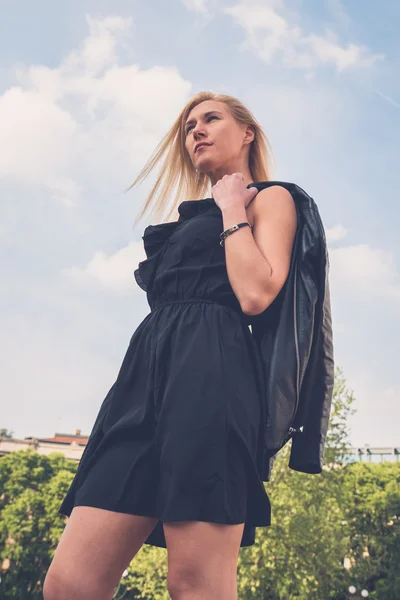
x=200 y=145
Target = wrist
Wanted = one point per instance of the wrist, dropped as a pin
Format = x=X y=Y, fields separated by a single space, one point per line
x=232 y=214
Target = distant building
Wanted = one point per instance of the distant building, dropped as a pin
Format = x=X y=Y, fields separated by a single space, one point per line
x=373 y=454
x=73 y=445
x=69 y=444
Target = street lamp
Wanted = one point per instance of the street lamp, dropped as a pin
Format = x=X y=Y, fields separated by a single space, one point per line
x=353 y=589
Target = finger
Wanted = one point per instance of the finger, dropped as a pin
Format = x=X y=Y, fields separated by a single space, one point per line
x=252 y=191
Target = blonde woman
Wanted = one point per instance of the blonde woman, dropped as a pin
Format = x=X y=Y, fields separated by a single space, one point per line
x=175 y=456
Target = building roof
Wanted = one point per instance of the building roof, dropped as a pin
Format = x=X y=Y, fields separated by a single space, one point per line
x=59 y=439
x=65 y=438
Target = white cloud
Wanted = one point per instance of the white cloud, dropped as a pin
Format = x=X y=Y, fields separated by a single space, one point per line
x=98 y=50
x=270 y=34
x=199 y=6
x=377 y=410
x=114 y=272
x=39 y=142
x=333 y=234
x=90 y=118
x=366 y=270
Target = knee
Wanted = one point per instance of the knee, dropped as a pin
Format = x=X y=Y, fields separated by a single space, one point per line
x=182 y=580
x=62 y=588
x=57 y=587
x=212 y=581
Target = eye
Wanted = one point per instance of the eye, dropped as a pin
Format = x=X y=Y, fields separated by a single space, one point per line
x=208 y=118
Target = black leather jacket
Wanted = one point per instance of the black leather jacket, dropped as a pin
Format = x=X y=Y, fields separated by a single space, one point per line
x=294 y=335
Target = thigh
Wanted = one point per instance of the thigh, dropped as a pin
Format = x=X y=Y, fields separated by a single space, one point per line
x=95 y=548
x=202 y=553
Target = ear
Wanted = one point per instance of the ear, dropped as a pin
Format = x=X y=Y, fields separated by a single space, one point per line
x=250 y=134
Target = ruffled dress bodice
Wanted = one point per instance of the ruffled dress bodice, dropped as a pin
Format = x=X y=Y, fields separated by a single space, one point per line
x=185 y=259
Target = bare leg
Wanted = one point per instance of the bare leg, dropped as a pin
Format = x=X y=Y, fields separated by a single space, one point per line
x=95 y=548
x=202 y=560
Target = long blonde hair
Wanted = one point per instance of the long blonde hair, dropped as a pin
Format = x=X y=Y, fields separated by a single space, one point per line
x=178 y=169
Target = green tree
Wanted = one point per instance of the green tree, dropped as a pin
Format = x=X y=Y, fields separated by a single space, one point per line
x=301 y=555
x=32 y=487
x=372 y=532
x=6 y=433
x=338 y=437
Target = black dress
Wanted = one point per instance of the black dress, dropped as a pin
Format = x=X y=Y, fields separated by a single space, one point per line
x=179 y=435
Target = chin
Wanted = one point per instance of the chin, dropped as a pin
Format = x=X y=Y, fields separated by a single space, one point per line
x=205 y=167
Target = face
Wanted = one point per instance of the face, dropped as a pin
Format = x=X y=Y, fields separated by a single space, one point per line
x=228 y=143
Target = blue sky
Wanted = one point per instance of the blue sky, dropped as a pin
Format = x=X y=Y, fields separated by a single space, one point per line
x=86 y=93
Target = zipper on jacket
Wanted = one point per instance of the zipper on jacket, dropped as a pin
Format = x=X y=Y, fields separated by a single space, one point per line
x=296 y=339
x=291 y=430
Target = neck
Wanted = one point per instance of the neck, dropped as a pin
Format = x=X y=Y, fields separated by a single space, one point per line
x=219 y=173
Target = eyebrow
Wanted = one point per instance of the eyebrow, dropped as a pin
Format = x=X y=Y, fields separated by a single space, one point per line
x=205 y=115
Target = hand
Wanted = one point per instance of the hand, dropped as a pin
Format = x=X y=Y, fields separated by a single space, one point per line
x=230 y=190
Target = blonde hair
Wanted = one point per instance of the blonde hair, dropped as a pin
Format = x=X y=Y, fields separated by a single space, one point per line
x=178 y=169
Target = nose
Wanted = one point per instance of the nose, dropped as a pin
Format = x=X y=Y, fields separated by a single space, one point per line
x=196 y=131
x=197 y=136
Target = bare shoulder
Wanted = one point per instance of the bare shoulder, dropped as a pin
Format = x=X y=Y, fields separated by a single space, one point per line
x=273 y=198
x=271 y=202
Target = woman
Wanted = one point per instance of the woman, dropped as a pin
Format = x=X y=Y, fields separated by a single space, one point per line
x=175 y=456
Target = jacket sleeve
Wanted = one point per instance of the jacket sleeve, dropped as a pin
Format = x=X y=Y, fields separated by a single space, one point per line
x=307 y=451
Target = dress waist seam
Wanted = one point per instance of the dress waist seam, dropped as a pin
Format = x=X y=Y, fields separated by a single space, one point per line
x=195 y=300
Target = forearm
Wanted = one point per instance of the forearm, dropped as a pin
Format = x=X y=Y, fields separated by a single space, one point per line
x=248 y=269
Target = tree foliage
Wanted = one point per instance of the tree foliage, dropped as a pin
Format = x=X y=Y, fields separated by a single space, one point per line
x=6 y=433
x=31 y=488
